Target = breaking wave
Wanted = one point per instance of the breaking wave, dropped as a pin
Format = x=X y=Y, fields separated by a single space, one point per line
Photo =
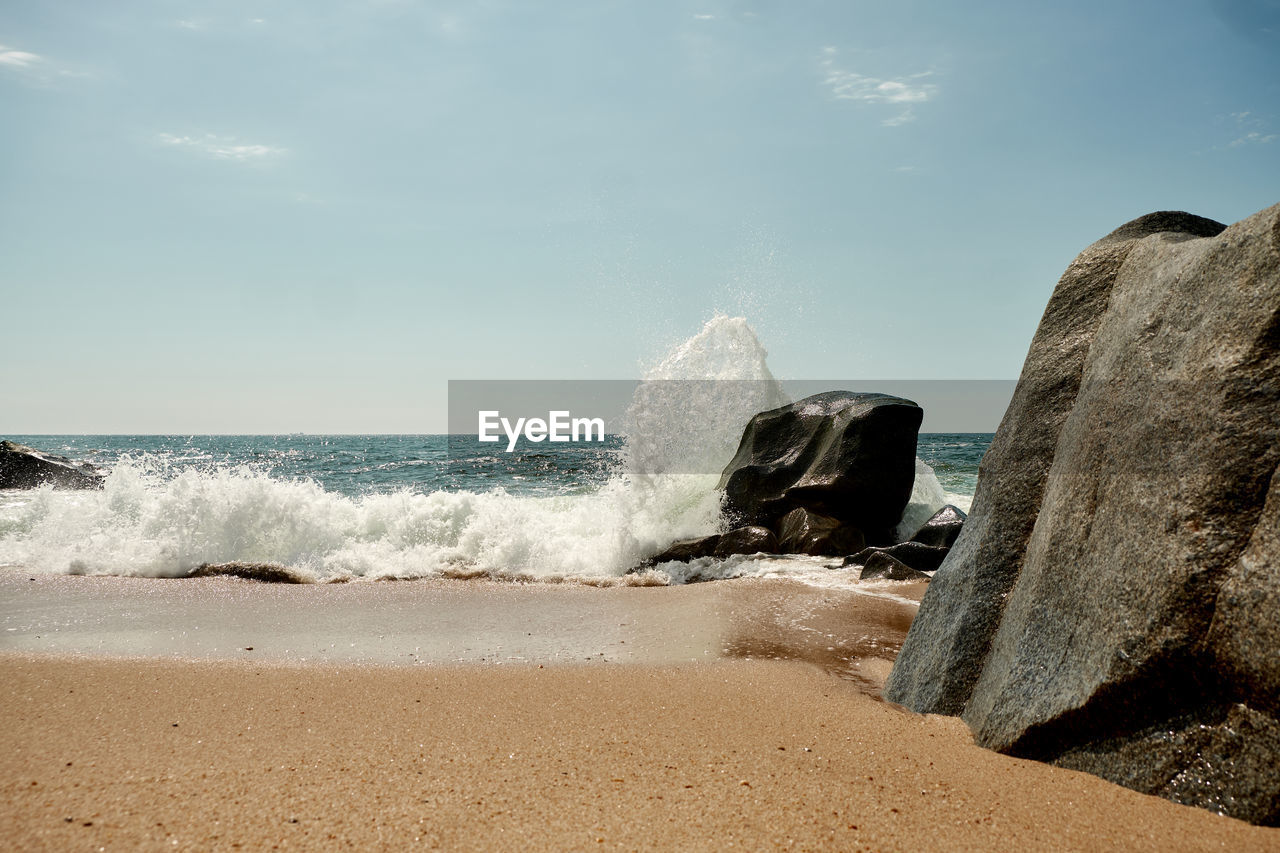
x=155 y=520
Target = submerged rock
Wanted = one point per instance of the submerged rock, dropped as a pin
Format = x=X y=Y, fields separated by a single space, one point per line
x=1112 y=603
x=840 y=454
x=23 y=467
x=803 y=532
x=942 y=528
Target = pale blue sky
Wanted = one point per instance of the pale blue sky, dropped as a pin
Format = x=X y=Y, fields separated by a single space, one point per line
x=284 y=215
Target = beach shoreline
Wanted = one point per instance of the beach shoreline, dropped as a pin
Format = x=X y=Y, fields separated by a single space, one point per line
x=853 y=633
x=708 y=716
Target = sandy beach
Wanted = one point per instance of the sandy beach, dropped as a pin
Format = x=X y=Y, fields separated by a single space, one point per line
x=696 y=738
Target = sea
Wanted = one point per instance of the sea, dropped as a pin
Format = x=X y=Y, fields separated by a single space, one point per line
x=349 y=508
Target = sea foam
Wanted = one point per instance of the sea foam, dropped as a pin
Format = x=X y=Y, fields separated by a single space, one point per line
x=154 y=520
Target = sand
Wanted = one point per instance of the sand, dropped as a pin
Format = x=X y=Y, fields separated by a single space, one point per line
x=687 y=751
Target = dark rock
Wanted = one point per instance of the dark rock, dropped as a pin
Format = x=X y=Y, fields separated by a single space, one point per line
x=1113 y=600
x=753 y=539
x=881 y=565
x=849 y=456
x=803 y=532
x=23 y=467
x=264 y=572
x=686 y=550
x=942 y=528
x=926 y=558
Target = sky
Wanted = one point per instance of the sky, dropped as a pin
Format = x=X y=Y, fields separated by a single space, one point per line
x=279 y=216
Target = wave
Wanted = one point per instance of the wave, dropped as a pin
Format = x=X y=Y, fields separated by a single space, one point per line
x=152 y=520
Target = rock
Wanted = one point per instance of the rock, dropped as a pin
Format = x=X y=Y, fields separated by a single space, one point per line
x=23 y=467
x=942 y=528
x=926 y=558
x=686 y=550
x=1112 y=603
x=849 y=456
x=803 y=532
x=264 y=572
x=881 y=565
x=751 y=539
x=747 y=540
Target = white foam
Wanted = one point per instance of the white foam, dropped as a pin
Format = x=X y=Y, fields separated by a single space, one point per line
x=152 y=520
x=927 y=497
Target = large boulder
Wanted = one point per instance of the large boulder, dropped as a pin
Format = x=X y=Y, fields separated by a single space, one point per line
x=840 y=454
x=23 y=467
x=1112 y=603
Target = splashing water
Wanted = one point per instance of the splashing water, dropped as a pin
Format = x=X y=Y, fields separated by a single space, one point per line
x=154 y=520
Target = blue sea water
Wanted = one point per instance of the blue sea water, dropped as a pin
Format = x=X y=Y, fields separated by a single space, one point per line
x=366 y=507
x=356 y=465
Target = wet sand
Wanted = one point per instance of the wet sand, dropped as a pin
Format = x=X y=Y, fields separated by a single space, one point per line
x=678 y=742
x=420 y=623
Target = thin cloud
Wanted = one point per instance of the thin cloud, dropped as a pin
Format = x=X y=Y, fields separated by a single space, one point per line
x=1253 y=137
x=221 y=147
x=848 y=85
x=11 y=58
x=35 y=69
x=704 y=17
x=1252 y=130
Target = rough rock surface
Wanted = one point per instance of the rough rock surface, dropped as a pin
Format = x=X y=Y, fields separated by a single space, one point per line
x=926 y=558
x=803 y=532
x=264 y=572
x=1112 y=601
x=752 y=539
x=846 y=455
x=685 y=550
x=23 y=467
x=942 y=528
x=881 y=565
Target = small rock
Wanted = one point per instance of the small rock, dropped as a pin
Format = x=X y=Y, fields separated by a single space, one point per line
x=926 y=558
x=942 y=528
x=881 y=565
x=23 y=467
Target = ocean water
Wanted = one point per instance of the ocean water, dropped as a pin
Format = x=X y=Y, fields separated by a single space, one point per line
x=367 y=507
